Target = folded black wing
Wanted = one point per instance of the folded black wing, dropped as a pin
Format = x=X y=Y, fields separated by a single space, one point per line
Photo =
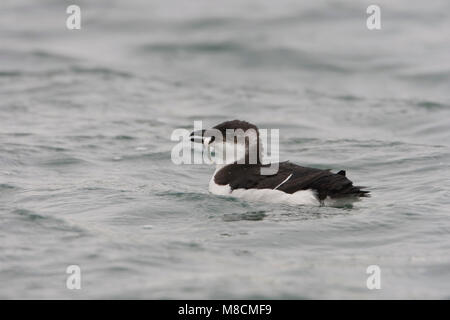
x=290 y=178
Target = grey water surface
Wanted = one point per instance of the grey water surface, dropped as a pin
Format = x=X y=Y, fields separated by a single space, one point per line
x=86 y=176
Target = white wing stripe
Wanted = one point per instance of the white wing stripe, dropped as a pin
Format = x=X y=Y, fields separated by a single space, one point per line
x=284 y=181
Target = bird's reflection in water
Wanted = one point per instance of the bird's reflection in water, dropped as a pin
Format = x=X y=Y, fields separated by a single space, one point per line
x=250 y=216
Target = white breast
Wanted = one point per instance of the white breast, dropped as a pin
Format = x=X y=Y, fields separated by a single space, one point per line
x=215 y=188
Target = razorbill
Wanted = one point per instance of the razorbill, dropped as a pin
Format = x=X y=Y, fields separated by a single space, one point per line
x=240 y=175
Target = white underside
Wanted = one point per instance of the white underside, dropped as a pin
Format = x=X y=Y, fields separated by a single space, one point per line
x=302 y=197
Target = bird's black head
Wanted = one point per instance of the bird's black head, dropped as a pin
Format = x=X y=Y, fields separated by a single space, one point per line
x=235 y=127
x=235 y=134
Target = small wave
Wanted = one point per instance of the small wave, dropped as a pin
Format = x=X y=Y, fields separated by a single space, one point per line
x=431 y=77
x=99 y=137
x=349 y=98
x=18 y=134
x=52 y=56
x=251 y=56
x=163 y=155
x=6 y=187
x=197 y=47
x=124 y=137
x=216 y=23
x=184 y=195
x=35 y=54
x=65 y=161
x=27 y=214
x=431 y=105
x=49 y=222
x=11 y=73
x=101 y=71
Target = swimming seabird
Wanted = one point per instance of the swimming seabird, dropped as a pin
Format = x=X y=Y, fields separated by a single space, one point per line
x=241 y=175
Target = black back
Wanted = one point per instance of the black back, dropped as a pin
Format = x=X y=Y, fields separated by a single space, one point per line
x=324 y=182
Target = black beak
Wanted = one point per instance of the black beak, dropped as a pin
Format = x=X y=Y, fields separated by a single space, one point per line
x=197 y=136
